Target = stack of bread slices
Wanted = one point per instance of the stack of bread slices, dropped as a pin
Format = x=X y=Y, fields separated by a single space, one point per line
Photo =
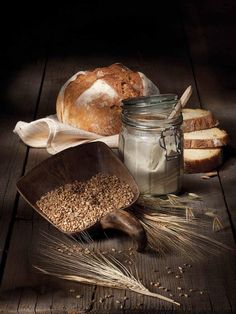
x=203 y=141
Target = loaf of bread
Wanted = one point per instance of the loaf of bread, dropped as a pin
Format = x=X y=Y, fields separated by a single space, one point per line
x=197 y=119
x=91 y=100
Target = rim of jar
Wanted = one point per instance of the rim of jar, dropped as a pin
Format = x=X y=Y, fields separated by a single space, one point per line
x=148 y=101
x=150 y=112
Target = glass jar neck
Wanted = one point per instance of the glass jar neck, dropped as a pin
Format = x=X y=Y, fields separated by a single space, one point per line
x=151 y=112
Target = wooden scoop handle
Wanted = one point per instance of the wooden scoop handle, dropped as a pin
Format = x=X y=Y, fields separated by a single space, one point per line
x=186 y=95
x=126 y=222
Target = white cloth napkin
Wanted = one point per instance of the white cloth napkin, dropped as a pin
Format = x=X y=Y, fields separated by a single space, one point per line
x=55 y=136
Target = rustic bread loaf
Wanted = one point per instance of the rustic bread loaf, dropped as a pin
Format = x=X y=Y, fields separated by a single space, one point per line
x=90 y=100
x=197 y=119
x=202 y=160
x=209 y=138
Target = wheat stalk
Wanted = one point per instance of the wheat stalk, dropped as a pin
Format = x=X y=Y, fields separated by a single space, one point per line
x=169 y=232
x=172 y=202
x=69 y=259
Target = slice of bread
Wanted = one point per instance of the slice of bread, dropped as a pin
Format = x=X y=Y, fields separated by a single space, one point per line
x=209 y=138
x=197 y=119
x=202 y=160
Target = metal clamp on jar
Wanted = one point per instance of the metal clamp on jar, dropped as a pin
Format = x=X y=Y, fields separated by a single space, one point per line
x=151 y=143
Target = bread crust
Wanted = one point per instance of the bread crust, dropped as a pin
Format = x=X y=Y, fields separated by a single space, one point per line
x=200 y=123
x=91 y=100
x=203 y=165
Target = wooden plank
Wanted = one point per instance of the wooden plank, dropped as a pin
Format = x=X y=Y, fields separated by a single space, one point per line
x=20 y=100
x=44 y=303
x=213 y=62
x=22 y=241
x=68 y=296
x=15 y=278
x=9 y=301
x=58 y=296
x=215 y=84
x=19 y=251
x=27 y=301
x=108 y=300
x=43 y=294
x=71 y=298
x=219 y=298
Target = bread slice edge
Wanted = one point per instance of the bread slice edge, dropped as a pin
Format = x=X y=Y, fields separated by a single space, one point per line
x=200 y=123
x=213 y=161
x=207 y=142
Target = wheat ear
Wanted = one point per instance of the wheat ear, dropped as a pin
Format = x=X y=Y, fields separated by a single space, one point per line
x=69 y=259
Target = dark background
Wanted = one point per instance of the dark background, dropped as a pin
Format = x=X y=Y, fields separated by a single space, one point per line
x=116 y=28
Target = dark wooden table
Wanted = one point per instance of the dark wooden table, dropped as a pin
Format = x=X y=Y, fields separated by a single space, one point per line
x=179 y=44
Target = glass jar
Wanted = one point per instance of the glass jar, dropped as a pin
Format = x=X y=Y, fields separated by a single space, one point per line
x=151 y=143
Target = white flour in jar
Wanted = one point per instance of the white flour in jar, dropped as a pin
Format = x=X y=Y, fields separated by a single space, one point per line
x=147 y=162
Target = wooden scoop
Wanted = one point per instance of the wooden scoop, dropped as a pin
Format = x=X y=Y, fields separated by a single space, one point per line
x=81 y=163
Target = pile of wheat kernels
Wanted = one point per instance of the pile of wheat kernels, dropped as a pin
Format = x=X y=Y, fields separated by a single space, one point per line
x=78 y=205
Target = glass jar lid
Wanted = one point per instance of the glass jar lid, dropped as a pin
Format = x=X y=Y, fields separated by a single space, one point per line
x=149 y=101
x=150 y=111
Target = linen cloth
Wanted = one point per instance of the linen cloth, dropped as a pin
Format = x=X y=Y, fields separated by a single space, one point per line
x=55 y=136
